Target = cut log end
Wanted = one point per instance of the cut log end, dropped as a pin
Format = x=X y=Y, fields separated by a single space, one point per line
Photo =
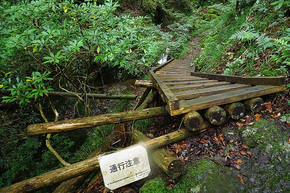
x=193 y=121
x=235 y=110
x=254 y=105
x=216 y=115
x=175 y=169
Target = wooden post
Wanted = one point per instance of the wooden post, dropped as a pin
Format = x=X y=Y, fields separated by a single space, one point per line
x=235 y=110
x=171 y=165
x=254 y=105
x=216 y=115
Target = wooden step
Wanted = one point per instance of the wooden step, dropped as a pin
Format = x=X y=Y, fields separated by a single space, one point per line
x=197 y=86
x=169 y=84
x=166 y=80
x=191 y=94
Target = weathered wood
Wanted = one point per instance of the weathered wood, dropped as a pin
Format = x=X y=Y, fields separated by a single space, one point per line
x=73 y=124
x=171 y=165
x=93 y=95
x=216 y=115
x=235 y=110
x=148 y=100
x=73 y=184
x=275 y=81
x=165 y=92
x=196 y=86
x=144 y=83
x=225 y=98
x=179 y=78
x=165 y=80
x=77 y=169
x=162 y=65
x=143 y=97
x=191 y=94
x=254 y=105
x=171 y=84
x=173 y=73
x=193 y=121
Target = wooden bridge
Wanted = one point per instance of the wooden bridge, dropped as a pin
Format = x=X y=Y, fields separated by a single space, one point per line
x=185 y=90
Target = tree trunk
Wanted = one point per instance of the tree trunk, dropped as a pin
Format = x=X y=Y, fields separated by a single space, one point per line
x=254 y=105
x=235 y=110
x=73 y=124
x=93 y=95
x=216 y=115
x=171 y=165
x=77 y=169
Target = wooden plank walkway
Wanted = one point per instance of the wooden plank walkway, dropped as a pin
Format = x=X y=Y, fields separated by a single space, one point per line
x=184 y=90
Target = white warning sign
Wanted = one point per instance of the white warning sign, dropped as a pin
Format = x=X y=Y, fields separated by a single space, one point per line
x=124 y=167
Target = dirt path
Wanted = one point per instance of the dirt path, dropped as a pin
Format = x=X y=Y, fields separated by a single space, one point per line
x=193 y=49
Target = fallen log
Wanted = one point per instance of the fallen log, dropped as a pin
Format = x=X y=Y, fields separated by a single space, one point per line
x=170 y=164
x=235 y=110
x=216 y=115
x=77 y=169
x=93 y=95
x=72 y=184
x=144 y=83
x=254 y=105
x=73 y=124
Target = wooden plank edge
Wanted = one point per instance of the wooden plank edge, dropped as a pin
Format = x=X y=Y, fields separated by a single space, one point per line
x=162 y=65
x=274 y=81
x=169 y=98
x=269 y=90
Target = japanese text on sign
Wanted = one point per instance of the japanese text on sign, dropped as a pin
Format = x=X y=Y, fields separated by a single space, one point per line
x=124 y=167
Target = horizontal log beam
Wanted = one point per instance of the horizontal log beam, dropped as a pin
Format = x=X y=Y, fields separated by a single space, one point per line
x=275 y=81
x=77 y=169
x=144 y=83
x=73 y=124
x=93 y=95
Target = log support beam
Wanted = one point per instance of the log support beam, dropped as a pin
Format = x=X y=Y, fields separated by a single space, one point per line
x=170 y=164
x=235 y=110
x=254 y=105
x=216 y=115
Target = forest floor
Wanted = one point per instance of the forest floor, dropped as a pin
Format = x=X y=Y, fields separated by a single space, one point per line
x=251 y=154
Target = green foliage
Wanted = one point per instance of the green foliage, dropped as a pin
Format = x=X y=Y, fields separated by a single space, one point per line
x=22 y=91
x=254 y=43
x=60 y=35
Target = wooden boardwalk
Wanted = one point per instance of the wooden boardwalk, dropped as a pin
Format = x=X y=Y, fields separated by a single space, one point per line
x=184 y=90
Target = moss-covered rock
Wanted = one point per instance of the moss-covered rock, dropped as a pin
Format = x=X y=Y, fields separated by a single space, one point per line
x=268 y=170
x=202 y=176
x=264 y=135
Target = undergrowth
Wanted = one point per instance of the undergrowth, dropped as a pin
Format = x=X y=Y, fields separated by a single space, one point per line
x=255 y=43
